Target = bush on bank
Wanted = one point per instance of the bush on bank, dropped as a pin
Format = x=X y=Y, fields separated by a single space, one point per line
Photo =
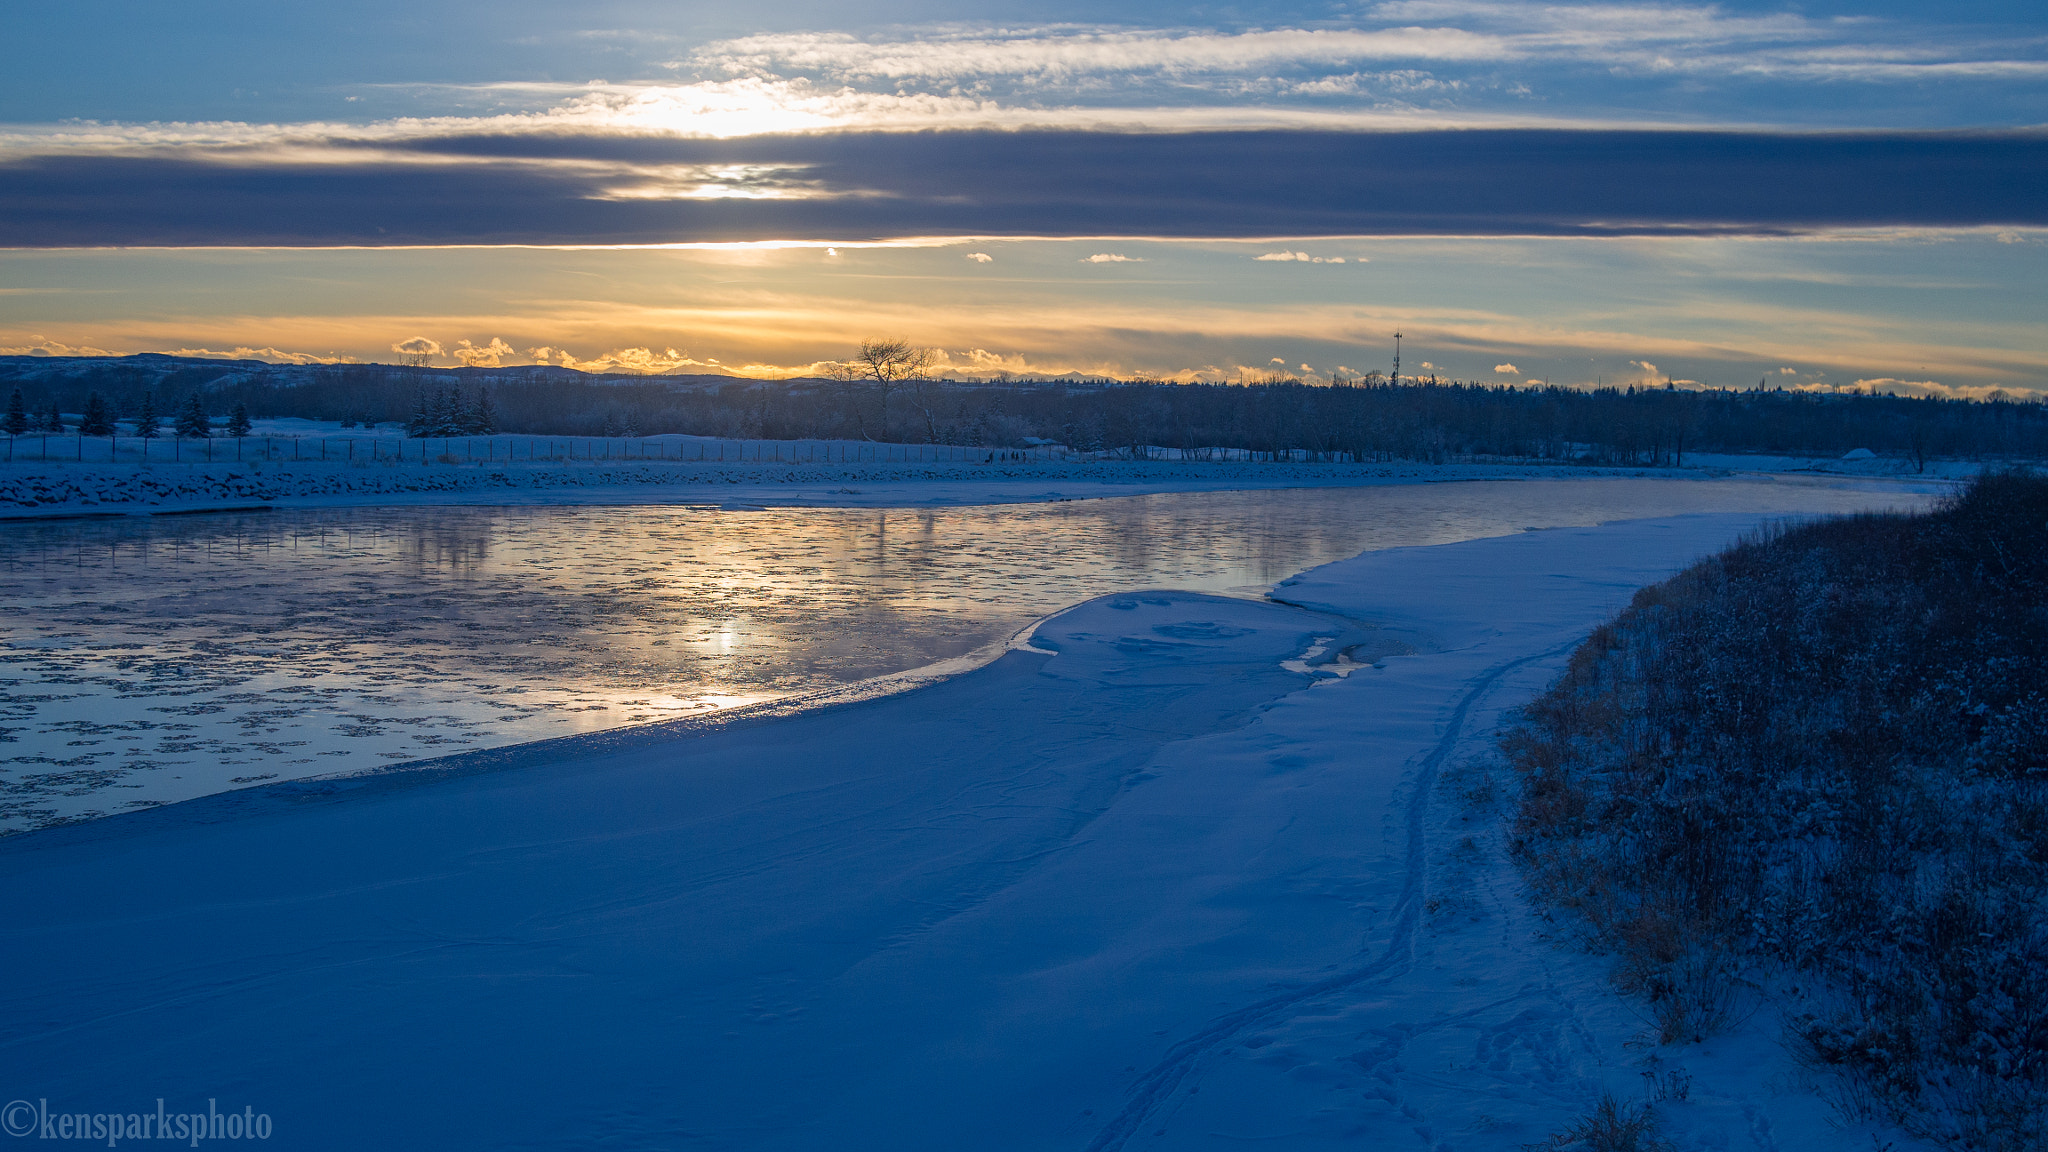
x=1817 y=763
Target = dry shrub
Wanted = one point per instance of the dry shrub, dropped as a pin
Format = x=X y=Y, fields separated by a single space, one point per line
x=1612 y=1126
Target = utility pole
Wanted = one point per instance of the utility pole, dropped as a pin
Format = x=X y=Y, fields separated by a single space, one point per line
x=1395 y=379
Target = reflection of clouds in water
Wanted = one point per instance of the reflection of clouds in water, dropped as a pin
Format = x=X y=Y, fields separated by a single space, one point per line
x=148 y=660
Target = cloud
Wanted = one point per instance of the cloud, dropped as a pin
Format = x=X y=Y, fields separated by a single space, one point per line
x=1788 y=371
x=981 y=257
x=268 y=355
x=1923 y=388
x=1647 y=367
x=712 y=110
x=1641 y=39
x=44 y=346
x=418 y=346
x=1303 y=257
x=1931 y=388
x=1404 y=64
x=1507 y=369
x=644 y=361
x=490 y=355
x=509 y=189
x=41 y=346
x=1407 y=82
x=1112 y=258
x=708 y=182
x=1058 y=54
x=980 y=363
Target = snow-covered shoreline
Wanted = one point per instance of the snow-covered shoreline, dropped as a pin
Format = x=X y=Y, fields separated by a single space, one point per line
x=1162 y=878
x=36 y=491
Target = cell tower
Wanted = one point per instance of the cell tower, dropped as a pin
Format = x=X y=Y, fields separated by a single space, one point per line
x=1396 y=377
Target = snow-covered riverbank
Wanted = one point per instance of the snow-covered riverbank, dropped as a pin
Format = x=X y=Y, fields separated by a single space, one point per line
x=33 y=490
x=1168 y=880
x=363 y=469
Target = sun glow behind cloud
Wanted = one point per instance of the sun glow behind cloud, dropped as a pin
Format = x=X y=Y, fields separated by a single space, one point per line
x=1692 y=309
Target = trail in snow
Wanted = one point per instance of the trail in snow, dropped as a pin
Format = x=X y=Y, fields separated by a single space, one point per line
x=1162 y=1079
x=1472 y=1027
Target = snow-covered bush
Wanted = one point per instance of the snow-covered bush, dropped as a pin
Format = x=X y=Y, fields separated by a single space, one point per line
x=1818 y=763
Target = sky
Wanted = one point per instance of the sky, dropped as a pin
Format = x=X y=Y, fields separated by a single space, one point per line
x=1820 y=196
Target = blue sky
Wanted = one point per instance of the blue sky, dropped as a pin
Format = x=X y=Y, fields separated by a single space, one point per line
x=1725 y=192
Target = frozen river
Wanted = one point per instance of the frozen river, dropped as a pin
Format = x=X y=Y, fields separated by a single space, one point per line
x=144 y=661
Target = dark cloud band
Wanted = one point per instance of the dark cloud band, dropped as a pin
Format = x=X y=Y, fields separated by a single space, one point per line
x=562 y=189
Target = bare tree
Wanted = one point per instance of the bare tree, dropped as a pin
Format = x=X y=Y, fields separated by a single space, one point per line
x=887 y=365
x=846 y=385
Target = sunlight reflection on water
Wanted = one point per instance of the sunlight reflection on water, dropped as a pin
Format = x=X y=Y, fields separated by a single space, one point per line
x=150 y=660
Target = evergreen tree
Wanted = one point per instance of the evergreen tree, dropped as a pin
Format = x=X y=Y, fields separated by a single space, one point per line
x=238 y=421
x=192 y=421
x=148 y=422
x=482 y=416
x=348 y=419
x=421 y=422
x=447 y=413
x=53 y=421
x=98 y=419
x=17 y=415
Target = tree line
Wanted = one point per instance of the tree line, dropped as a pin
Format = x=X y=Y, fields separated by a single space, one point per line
x=889 y=396
x=98 y=417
